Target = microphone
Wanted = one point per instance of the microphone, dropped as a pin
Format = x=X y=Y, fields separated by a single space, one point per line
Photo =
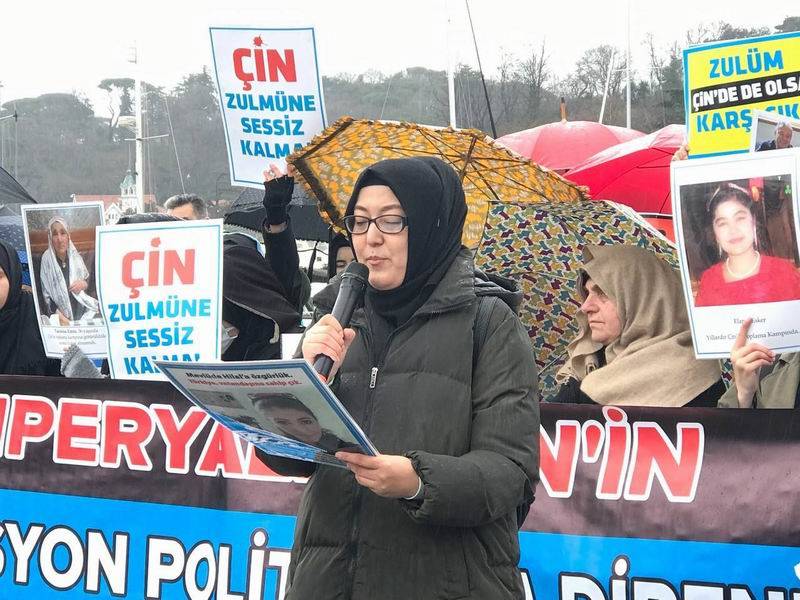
x=351 y=292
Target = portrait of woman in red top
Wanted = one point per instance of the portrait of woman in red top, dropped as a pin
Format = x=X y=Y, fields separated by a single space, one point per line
x=744 y=274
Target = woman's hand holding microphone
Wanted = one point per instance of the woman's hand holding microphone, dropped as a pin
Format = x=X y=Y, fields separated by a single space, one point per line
x=328 y=337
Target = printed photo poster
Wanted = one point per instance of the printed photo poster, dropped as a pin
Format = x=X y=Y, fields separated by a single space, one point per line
x=736 y=223
x=724 y=82
x=281 y=407
x=161 y=294
x=60 y=240
x=270 y=94
x=771 y=131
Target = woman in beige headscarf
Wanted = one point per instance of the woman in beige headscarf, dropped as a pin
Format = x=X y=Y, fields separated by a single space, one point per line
x=634 y=346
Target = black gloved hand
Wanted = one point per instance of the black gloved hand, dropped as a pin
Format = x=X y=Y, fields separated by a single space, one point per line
x=277 y=195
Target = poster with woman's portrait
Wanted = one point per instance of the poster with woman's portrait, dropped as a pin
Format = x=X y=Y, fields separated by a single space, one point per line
x=736 y=223
x=60 y=239
x=280 y=407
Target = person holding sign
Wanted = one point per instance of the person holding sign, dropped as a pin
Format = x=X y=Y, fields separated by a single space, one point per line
x=436 y=515
x=744 y=275
x=761 y=379
x=64 y=277
x=633 y=324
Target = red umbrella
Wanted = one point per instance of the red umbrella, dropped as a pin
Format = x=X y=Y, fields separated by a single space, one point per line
x=635 y=173
x=561 y=146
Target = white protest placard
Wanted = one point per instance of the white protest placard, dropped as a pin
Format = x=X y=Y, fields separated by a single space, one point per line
x=736 y=225
x=161 y=294
x=60 y=241
x=270 y=94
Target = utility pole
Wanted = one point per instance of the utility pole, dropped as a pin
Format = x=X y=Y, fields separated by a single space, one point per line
x=628 y=71
x=605 y=89
x=139 y=164
x=139 y=138
x=451 y=85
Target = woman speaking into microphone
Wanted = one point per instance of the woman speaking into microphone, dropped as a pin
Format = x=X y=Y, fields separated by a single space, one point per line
x=436 y=514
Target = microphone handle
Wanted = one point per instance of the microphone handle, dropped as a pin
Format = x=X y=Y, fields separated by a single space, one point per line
x=342 y=311
x=323 y=365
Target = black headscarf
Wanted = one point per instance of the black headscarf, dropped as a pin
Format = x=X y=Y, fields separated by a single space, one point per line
x=252 y=298
x=432 y=197
x=21 y=349
x=335 y=241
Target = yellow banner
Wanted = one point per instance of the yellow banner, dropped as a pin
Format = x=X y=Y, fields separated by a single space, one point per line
x=725 y=82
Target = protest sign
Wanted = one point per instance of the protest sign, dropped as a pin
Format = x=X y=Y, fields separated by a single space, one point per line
x=725 y=81
x=280 y=406
x=113 y=488
x=736 y=223
x=60 y=240
x=270 y=94
x=161 y=294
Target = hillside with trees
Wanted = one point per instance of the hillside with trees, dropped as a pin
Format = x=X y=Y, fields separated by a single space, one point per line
x=59 y=147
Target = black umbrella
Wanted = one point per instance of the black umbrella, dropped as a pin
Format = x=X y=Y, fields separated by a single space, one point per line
x=12 y=232
x=307 y=224
x=12 y=193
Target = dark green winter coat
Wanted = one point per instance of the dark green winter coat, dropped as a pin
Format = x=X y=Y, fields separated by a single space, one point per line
x=472 y=437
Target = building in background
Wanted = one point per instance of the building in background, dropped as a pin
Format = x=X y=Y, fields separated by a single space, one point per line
x=125 y=203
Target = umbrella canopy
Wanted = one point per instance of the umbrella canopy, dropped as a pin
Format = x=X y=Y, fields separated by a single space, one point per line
x=540 y=247
x=635 y=173
x=11 y=192
x=307 y=224
x=560 y=146
x=13 y=232
x=330 y=164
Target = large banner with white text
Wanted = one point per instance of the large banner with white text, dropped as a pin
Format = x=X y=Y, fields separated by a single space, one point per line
x=122 y=489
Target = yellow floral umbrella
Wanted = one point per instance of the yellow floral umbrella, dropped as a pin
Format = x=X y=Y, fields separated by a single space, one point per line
x=330 y=164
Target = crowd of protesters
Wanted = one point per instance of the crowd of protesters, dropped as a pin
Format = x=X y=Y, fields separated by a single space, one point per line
x=621 y=333
x=451 y=409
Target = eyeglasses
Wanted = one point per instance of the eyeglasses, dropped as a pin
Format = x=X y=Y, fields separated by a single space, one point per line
x=357 y=225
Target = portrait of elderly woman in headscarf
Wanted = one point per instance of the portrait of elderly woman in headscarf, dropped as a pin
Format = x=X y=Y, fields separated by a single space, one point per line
x=633 y=345
x=64 y=278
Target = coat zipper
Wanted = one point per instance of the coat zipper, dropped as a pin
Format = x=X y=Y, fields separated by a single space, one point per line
x=373 y=379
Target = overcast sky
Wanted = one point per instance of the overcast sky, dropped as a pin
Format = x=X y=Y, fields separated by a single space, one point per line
x=56 y=46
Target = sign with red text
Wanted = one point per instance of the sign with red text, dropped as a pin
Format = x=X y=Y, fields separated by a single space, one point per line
x=115 y=488
x=270 y=94
x=161 y=294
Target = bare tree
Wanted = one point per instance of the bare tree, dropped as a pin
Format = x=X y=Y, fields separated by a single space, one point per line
x=507 y=89
x=589 y=78
x=534 y=74
x=657 y=66
x=119 y=100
